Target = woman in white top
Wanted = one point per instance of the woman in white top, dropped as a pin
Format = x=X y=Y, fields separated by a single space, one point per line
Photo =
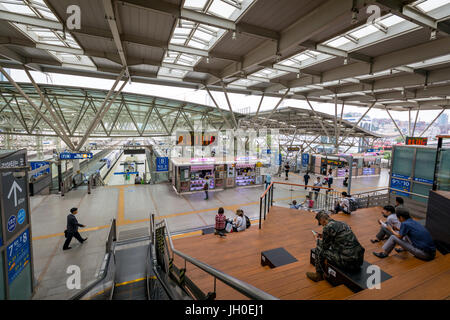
x=239 y=223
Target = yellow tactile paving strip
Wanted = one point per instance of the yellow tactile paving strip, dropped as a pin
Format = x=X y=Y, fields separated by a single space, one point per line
x=121 y=221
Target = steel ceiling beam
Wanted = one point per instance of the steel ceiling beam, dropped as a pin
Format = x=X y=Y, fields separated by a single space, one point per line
x=428 y=127
x=103 y=109
x=49 y=108
x=202 y=18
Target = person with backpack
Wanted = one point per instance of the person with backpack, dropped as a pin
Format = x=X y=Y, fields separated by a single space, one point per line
x=221 y=222
x=345 y=204
x=239 y=222
x=337 y=245
x=318 y=183
x=206 y=188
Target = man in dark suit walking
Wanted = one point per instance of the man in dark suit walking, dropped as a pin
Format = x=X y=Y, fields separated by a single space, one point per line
x=72 y=229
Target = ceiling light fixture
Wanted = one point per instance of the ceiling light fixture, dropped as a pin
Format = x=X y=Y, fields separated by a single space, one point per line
x=207 y=60
x=433 y=35
x=233 y=36
x=345 y=61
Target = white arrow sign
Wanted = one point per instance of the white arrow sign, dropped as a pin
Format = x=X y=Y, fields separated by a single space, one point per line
x=14 y=188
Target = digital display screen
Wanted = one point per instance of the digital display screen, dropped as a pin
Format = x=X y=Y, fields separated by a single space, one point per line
x=416 y=141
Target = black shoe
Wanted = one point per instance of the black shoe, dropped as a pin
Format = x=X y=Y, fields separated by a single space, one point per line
x=67 y=248
x=380 y=255
x=84 y=239
x=400 y=250
x=374 y=240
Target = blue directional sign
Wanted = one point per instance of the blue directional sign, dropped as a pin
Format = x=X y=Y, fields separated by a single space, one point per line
x=38 y=164
x=118 y=173
x=162 y=164
x=400 y=185
x=269 y=151
x=72 y=156
x=305 y=159
x=18 y=254
x=423 y=180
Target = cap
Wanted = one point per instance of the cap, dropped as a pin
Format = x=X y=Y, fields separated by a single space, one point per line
x=321 y=215
x=73 y=210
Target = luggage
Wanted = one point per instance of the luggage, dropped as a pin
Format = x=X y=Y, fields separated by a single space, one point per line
x=247 y=222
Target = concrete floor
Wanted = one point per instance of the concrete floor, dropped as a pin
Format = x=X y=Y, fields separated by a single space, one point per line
x=132 y=205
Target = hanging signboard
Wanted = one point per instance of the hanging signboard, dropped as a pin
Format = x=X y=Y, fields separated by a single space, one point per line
x=38 y=164
x=399 y=186
x=293 y=149
x=162 y=164
x=73 y=156
x=421 y=141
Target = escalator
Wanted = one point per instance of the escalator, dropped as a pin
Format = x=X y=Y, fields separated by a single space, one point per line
x=141 y=267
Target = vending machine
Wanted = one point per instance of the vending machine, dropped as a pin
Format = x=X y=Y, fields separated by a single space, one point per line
x=230 y=176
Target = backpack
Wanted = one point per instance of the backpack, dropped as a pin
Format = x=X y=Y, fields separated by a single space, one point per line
x=352 y=205
x=247 y=222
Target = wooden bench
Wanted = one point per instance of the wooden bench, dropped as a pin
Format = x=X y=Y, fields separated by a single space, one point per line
x=355 y=281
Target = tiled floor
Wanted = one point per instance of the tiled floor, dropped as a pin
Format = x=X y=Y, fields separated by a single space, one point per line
x=132 y=205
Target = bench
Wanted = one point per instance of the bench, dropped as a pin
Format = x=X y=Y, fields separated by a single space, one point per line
x=276 y=258
x=355 y=281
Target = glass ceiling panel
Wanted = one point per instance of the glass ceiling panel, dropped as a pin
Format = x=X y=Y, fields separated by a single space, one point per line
x=364 y=31
x=199 y=4
x=431 y=4
x=391 y=20
x=337 y=42
x=221 y=9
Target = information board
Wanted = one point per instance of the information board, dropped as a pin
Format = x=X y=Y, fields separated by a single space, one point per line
x=72 y=156
x=14 y=196
x=421 y=141
x=18 y=254
x=305 y=159
x=38 y=164
x=368 y=171
x=400 y=185
x=162 y=164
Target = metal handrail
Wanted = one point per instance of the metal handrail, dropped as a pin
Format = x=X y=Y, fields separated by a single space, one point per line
x=240 y=286
x=104 y=270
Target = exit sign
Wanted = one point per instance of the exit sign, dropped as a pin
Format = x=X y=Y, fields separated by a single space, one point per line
x=416 y=141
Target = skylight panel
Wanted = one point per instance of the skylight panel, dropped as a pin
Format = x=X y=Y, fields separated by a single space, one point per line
x=202 y=35
x=391 y=21
x=431 y=4
x=222 y=9
x=182 y=31
x=195 y=44
x=18 y=8
x=176 y=40
x=198 y=4
x=338 y=42
x=364 y=31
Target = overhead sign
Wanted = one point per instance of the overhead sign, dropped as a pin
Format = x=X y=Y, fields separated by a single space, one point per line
x=293 y=149
x=191 y=138
x=162 y=164
x=118 y=173
x=72 y=156
x=37 y=164
x=400 y=185
x=416 y=141
x=338 y=163
x=18 y=255
x=14 y=196
x=305 y=159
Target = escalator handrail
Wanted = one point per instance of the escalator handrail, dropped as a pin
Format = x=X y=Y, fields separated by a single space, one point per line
x=103 y=273
x=240 y=286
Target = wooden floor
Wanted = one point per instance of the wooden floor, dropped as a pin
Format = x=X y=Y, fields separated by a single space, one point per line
x=239 y=255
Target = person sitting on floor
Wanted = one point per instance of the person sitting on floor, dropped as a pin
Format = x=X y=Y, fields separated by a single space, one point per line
x=391 y=220
x=343 y=204
x=399 y=202
x=221 y=222
x=137 y=179
x=294 y=205
x=239 y=222
x=412 y=237
x=307 y=204
x=338 y=246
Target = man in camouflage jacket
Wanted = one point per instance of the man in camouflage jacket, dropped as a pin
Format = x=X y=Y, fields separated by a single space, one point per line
x=338 y=246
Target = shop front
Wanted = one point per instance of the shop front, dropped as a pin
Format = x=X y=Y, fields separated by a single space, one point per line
x=189 y=175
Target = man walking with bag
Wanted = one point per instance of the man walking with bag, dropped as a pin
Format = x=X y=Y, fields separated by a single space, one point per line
x=72 y=229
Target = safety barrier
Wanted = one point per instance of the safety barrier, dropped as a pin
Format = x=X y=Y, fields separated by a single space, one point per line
x=166 y=259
